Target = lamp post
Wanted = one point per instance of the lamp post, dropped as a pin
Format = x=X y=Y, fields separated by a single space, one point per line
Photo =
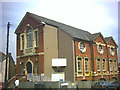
x=6 y=66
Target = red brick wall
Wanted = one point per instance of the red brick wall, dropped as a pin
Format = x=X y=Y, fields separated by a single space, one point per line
x=99 y=39
x=39 y=58
x=23 y=26
x=40 y=49
x=93 y=55
x=87 y=53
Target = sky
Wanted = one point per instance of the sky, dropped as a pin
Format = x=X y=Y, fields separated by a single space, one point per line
x=90 y=15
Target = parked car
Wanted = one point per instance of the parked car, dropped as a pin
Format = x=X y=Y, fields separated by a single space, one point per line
x=106 y=85
x=116 y=84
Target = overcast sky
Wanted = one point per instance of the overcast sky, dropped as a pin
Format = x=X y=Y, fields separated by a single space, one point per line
x=90 y=15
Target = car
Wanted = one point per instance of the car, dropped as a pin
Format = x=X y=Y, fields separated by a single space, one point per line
x=106 y=85
x=116 y=84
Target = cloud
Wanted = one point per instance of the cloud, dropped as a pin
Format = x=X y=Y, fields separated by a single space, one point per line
x=90 y=15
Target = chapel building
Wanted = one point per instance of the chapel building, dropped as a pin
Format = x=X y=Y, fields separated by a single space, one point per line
x=87 y=56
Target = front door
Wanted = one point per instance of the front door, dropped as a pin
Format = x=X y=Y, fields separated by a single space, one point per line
x=29 y=67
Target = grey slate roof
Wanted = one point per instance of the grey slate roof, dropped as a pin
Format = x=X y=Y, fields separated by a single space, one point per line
x=107 y=39
x=74 y=32
x=92 y=37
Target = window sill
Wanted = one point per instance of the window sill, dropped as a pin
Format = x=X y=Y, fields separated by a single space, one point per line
x=79 y=71
x=21 y=50
x=99 y=70
x=36 y=47
x=87 y=71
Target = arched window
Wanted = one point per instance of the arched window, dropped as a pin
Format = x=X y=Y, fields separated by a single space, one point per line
x=111 y=65
x=112 y=51
x=36 y=38
x=82 y=47
x=100 y=49
x=104 y=65
x=98 y=65
x=79 y=64
x=86 y=64
x=29 y=36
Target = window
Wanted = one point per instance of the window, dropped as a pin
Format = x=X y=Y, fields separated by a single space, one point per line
x=112 y=51
x=98 y=64
x=36 y=38
x=104 y=64
x=110 y=65
x=79 y=64
x=86 y=64
x=100 y=49
x=29 y=38
x=82 y=47
x=37 y=67
x=115 y=65
x=22 y=68
x=22 y=41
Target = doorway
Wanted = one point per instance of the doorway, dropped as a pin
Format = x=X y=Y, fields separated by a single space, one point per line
x=29 y=67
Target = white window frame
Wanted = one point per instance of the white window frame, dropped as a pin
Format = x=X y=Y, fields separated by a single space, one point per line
x=35 y=42
x=98 y=48
x=79 y=61
x=115 y=65
x=27 y=37
x=86 y=62
x=111 y=65
x=112 y=51
x=36 y=67
x=82 y=50
x=22 y=47
x=104 y=64
x=98 y=64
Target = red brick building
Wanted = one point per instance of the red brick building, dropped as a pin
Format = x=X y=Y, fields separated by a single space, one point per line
x=89 y=56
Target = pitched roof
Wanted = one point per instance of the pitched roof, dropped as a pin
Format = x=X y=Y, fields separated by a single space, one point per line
x=74 y=32
x=92 y=37
x=107 y=39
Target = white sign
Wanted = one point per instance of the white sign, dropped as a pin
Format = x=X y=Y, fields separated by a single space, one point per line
x=59 y=62
x=58 y=77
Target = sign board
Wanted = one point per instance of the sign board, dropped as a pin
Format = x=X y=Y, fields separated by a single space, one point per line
x=56 y=62
x=58 y=77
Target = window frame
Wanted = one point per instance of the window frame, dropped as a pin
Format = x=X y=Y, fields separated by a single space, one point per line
x=110 y=65
x=36 y=67
x=83 y=49
x=98 y=61
x=36 y=39
x=104 y=64
x=29 y=36
x=79 y=61
x=115 y=65
x=22 y=41
x=86 y=68
x=98 y=48
x=112 y=52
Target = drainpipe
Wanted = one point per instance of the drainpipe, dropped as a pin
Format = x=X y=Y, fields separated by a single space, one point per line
x=74 y=58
